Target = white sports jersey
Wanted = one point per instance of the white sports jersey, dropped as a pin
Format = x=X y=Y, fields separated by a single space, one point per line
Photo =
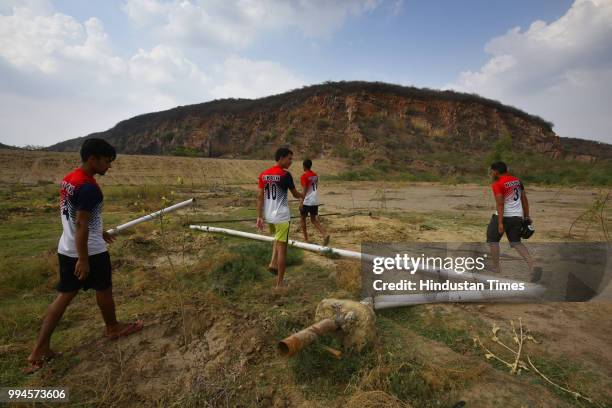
x=80 y=192
x=511 y=188
x=276 y=182
x=310 y=180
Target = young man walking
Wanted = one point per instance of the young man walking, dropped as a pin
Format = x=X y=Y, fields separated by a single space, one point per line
x=310 y=203
x=84 y=261
x=273 y=206
x=512 y=209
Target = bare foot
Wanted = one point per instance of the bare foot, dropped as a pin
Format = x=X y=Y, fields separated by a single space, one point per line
x=37 y=360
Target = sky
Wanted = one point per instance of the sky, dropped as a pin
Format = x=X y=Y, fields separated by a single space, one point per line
x=72 y=67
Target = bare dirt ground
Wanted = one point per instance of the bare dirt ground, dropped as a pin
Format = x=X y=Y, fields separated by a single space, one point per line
x=206 y=344
x=26 y=167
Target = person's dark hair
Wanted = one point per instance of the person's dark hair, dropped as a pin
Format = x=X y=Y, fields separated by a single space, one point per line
x=307 y=164
x=282 y=152
x=499 y=167
x=97 y=147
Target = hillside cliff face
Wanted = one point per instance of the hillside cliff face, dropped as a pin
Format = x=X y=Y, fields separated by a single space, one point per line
x=337 y=119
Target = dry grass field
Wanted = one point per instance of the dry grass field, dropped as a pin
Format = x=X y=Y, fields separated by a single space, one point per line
x=212 y=322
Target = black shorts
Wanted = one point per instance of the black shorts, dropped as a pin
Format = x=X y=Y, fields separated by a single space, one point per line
x=99 y=277
x=313 y=210
x=512 y=228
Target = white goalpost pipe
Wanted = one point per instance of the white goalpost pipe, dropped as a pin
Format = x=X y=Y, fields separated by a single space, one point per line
x=151 y=216
x=439 y=273
x=303 y=245
x=391 y=301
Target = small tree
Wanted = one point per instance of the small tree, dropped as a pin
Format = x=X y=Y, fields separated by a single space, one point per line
x=501 y=149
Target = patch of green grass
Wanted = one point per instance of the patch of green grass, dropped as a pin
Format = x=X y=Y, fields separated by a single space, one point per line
x=285 y=322
x=27 y=252
x=145 y=193
x=450 y=168
x=569 y=374
x=21 y=316
x=315 y=368
x=245 y=264
x=449 y=330
x=408 y=384
x=186 y=151
x=10 y=369
x=404 y=371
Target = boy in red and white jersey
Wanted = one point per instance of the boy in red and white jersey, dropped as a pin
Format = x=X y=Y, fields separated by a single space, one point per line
x=310 y=203
x=273 y=206
x=84 y=262
x=512 y=209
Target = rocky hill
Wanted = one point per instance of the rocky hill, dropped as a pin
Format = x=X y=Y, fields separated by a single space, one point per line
x=376 y=120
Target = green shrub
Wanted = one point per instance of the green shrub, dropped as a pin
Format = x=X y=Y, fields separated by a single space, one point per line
x=356 y=157
x=185 y=151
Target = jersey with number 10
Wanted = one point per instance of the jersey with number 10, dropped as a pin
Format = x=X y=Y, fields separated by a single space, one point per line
x=276 y=182
x=511 y=188
x=310 y=180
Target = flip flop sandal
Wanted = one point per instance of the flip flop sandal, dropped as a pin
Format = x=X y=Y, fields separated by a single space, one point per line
x=131 y=328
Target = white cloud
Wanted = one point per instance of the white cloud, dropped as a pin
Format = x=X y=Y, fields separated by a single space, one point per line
x=62 y=78
x=235 y=23
x=244 y=78
x=560 y=70
x=53 y=43
x=164 y=65
x=39 y=7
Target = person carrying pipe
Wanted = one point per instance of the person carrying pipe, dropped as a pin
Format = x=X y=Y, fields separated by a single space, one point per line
x=84 y=261
x=512 y=210
x=273 y=204
x=310 y=203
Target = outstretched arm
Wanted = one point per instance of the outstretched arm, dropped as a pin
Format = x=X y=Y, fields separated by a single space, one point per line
x=297 y=194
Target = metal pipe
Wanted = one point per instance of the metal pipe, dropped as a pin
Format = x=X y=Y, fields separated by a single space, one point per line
x=151 y=216
x=438 y=273
x=391 y=301
x=303 y=245
x=297 y=341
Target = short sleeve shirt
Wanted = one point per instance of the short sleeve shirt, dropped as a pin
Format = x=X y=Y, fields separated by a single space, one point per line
x=276 y=182
x=310 y=181
x=510 y=188
x=80 y=192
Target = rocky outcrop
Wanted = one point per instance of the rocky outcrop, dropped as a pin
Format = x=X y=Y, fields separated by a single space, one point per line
x=336 y=119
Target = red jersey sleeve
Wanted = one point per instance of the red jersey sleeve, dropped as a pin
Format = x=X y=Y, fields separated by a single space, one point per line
x=304 y=180
x=497 y=188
